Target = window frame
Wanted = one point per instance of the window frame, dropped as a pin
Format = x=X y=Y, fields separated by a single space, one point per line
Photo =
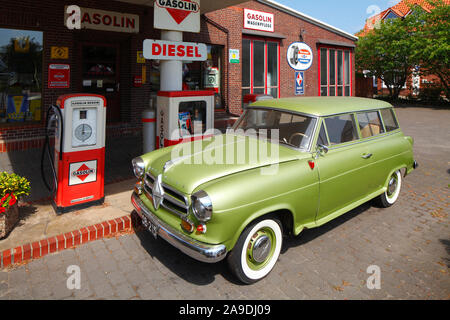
x=359 y=139
x=266 y=86
x=345 y=75
x=39 y=123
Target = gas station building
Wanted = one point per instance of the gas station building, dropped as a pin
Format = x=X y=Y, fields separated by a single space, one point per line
x=247 y=42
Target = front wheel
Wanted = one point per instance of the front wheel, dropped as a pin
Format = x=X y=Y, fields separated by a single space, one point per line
x=389 y=197
x=256 y=251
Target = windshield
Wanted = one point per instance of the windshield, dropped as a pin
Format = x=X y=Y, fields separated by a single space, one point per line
x=291 y=129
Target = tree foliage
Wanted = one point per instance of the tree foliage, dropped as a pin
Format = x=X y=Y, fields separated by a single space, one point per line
x=432 y=42
x=393 y=50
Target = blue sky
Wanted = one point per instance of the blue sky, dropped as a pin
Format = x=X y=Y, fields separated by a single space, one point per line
x=348 y=15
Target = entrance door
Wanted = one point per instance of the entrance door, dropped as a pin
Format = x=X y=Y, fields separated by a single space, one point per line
x=100 y=75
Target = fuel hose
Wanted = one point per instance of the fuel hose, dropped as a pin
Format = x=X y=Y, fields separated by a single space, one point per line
x=47 y=149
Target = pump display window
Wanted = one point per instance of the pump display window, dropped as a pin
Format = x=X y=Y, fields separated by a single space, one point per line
x=20 y=75
x=192 y=118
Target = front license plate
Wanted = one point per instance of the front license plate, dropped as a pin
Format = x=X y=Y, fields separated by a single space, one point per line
x=150 y=227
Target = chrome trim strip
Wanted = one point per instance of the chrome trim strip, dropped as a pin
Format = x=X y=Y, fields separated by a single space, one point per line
x=195 y=249
x=358 y=141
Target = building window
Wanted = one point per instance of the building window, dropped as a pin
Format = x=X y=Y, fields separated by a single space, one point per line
x=20 y=75
x=335 y=72
x=260 y=67
x=206 y=75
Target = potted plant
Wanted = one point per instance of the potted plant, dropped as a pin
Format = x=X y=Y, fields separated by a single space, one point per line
x=12 y=188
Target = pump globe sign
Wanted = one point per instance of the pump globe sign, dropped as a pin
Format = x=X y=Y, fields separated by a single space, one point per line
x=300 y=56
x=178 y=15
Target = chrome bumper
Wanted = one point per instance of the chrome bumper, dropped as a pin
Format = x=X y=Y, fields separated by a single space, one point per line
x=193 y=248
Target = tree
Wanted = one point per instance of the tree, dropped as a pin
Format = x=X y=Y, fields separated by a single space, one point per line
x=385 y=53
x=431 y=49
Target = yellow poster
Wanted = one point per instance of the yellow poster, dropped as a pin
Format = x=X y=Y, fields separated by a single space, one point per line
x=144 y=74
x=140 y=57
x=59 y=53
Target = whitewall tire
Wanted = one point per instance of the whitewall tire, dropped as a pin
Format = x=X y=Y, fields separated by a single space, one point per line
x=257 y=250
x=390 y=196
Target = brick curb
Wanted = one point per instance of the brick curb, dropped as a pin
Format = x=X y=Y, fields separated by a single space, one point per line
x=67 y=240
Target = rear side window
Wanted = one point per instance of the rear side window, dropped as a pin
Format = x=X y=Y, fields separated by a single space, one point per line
x=390 y=123
x=369 y=124
x=341 y=129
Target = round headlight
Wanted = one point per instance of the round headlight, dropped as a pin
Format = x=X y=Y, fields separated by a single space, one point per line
x=138 y=167
x=202 y=206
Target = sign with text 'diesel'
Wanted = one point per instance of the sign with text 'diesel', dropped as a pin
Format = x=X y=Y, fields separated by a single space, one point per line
x=177 y=15
x=174 y=50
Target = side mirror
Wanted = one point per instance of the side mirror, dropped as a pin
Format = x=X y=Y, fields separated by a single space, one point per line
x=322 y=148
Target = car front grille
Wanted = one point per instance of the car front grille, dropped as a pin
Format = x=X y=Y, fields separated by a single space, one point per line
x=173 y=201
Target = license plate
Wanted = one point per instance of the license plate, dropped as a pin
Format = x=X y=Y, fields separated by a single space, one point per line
x=150 y=227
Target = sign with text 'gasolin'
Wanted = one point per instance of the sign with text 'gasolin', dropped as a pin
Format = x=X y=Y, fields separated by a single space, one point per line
x=82 y=172
x=174 y=50
x=101 y=20
x=258 y=20
x=178 y=15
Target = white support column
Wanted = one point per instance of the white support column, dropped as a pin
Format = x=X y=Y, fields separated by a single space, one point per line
x=171 y=75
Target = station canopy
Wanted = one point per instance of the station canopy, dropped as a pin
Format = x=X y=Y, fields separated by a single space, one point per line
x=206 y=5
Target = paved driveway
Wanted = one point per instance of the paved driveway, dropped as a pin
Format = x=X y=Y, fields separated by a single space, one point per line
x=408 y=243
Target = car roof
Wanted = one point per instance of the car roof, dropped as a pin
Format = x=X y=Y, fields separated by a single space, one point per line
x=322 y=106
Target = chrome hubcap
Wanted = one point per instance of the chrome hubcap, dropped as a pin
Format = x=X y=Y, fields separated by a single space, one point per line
x=261 y=248
x=392 y=186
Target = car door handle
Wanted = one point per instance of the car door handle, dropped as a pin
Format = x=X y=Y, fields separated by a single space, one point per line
x=366 y=155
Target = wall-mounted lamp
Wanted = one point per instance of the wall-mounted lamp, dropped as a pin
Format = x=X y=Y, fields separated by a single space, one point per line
x=302 y=35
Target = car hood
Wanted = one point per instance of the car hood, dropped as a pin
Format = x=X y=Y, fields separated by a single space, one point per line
x=189 y=165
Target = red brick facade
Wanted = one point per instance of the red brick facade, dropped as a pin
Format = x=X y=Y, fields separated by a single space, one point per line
x=222 y=27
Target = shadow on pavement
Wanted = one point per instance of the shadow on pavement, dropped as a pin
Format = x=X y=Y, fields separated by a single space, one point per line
x=446 y=244
x=183 y=266
x=200 y=273
x=308 y=235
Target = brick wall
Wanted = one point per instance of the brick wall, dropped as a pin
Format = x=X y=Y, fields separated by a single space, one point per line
x=222 y=27
x=286 y=25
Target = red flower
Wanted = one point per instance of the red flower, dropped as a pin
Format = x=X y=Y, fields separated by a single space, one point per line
x=2 y=210
x=13 y=200
x=4 y=198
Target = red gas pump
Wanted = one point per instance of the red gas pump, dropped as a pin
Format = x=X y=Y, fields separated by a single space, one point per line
x=78 y=162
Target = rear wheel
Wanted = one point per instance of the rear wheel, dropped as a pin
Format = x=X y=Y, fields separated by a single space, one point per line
x=257 y=250
x=389 y=197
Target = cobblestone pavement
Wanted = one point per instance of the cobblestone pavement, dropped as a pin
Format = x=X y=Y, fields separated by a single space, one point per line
x=410 y=242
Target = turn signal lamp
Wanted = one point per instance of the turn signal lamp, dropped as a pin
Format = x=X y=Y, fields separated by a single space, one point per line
x=187 y=225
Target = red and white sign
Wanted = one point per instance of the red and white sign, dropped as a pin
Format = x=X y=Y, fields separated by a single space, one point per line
x=104 y=20
x=82 y=172
x=259 y=20
x=58 y=76
x=174 y=50
x=178 y=15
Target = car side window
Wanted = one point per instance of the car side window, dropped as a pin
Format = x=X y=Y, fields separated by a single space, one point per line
x=369 y=124
x=390 y=123
x=322 y=136
x=341 y=129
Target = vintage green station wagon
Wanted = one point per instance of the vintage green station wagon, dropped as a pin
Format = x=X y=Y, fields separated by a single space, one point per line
x=327 y=156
